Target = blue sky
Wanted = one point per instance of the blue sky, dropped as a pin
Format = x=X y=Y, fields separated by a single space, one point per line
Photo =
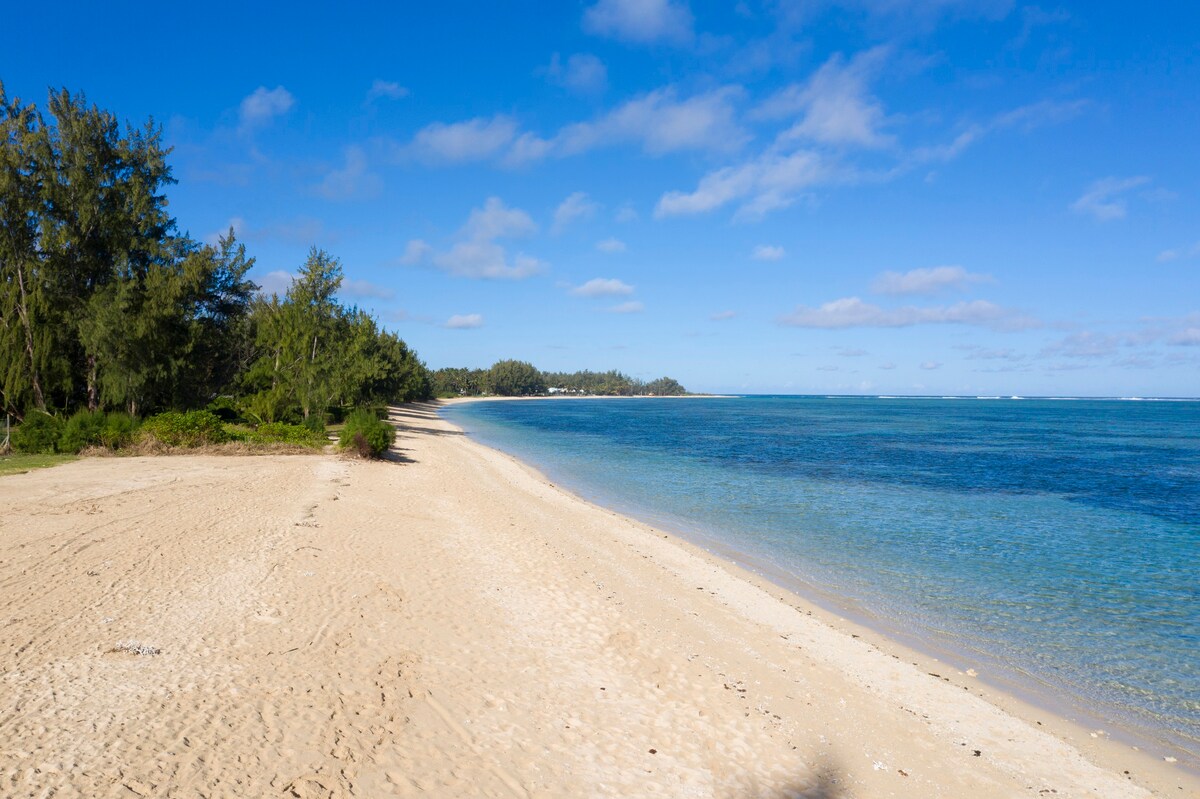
x=898 y=196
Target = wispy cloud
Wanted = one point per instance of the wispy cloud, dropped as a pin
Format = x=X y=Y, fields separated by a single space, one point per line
x=764 y=184
x=414 y=251
x=632 y=306
x=277 y=282
x=477 y=139
x=1103 y=199
x=262 y=105
x=930 y=365
x=835 y=104
x=364 y=289
x=767 y=252
x=610 y=245
x=640 y=21
x=583 y=73
x=576 y=206
x=1166 y=256
x=464 y=321
x=385 y=90
x=927 y=281
x=853 y=312
x=353 y=181
x=722 y=316
x=1189 y=337
x=603 y=287
x=477 y=254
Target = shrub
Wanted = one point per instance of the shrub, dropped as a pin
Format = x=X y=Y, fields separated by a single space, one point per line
x=191 y=429
x=366 y=434
x=38 y=434
x=118 y=430
x=226 y=409
x=84 y=429
x=278 y=432
x=315 y=423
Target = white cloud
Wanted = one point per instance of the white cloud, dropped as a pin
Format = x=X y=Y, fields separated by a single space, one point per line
x=235 y=223
x=603 y=287
x=464 y=321
x=460 y=142
x=576 y=206
x=353 y=181
x=262 y=105
x=640 y=21
x=836 y=106
x=930 y=365
x=611 y=245
x=766 y=183
x=415 y=251
x=1166 y=256
x=583 y=73
x=927 y=281
x=887 y=366
x=487 y=260
x=767 y=252
x=626 y=214
x=277 y=282
x=722 y=316
x=476 y=254
x=853 y=312
x=496 y=220
x=365 y=289
x=627 y=307
x=385 y=89
x=1085 y=344
x=1102 y=199
x=662 y=123
x=1189 y=337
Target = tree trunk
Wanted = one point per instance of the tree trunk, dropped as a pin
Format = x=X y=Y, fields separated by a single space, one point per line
x=23 y=312
x=93 y=398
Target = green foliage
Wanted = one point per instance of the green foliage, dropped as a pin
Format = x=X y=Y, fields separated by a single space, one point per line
x=39 y=433
x=279 y=432
x=187 y=430
x=104 y=305
x=84 y=429
x=515 y=379
x=459 y=382
x=118 y=431
x=664 y=387
x=366 y=434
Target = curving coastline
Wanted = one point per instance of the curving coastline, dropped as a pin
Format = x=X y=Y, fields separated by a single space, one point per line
x=452 y=624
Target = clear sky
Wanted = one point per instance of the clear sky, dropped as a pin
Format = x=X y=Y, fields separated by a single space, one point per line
x=867 y=196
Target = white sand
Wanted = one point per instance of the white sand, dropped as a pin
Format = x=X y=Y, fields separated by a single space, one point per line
x=453 y=625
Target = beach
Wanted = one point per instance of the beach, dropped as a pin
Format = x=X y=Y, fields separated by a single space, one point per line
x=449 y=623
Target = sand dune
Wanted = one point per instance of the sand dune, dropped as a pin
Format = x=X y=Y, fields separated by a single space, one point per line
x=450 y=624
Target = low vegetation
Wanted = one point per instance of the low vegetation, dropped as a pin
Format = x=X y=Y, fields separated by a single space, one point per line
x=366 y=435
x=521 y=379
x=19 y=464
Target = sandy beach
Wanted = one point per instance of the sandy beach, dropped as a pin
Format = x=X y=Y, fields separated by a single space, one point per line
x=448 y=623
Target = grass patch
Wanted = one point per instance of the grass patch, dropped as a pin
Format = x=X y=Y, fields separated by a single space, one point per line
x=19 y=464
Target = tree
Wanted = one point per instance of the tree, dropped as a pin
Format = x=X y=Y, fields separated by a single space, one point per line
x=515 y=378
x=665 y=387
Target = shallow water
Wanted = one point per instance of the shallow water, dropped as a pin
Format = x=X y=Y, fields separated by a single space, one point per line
x=1058 y=541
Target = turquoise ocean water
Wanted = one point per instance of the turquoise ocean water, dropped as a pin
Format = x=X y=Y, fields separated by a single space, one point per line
x=1054 y=542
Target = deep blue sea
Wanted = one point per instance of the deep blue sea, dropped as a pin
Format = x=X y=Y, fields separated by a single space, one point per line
x=1055 y=543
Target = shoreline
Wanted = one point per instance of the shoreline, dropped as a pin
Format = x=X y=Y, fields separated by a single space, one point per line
x=1103 y=739
x=448 y=622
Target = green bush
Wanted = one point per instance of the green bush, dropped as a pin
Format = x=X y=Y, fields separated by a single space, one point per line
x=190 y=429
x=315 y=423
x=278 y=432
x=366 y=434
x=84 y=429
x=226 y=409
x=118 y=430
x=38 y=434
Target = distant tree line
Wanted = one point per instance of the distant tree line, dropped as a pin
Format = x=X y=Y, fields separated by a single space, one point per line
x=104 y=305
x=518 y=378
